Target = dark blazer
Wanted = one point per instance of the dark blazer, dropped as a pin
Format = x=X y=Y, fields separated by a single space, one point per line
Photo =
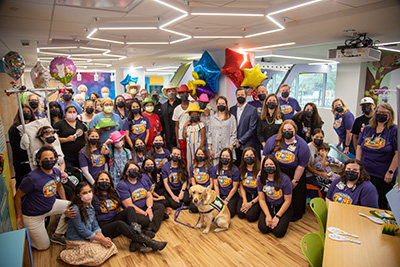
x=247 y=127
x=168 y=125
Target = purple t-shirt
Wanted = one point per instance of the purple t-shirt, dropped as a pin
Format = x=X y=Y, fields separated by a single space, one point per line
x=106 y=211
x=137 y=128
x=258 y=105
x=289 y=107
x=161 y=159
x=137 y=192
x=342 y=123
x=225 y=183
x=364 y=194
x=289 y=156
x=249 y=183
x=96 y=164
x=170 y=173
x=378 y=150
x=200 y=175
x=140 y=160
x=148 y=182
x=276 y=197
x=41 y=190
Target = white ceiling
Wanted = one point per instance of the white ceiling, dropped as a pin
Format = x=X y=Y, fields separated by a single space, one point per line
x=314 y=28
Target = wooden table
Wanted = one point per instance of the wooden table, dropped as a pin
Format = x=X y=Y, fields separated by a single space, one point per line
x=376 y=249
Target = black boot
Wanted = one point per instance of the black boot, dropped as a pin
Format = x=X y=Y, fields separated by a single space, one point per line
x=149 y=232
x=136 y=227
x=155 y=245
x=134 y=246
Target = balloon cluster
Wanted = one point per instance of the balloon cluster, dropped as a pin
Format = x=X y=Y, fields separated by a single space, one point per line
x=40 y=76
x=14 y=65
x=62 y=69
x=235 y=62
x=206 y=74
x=253 y=77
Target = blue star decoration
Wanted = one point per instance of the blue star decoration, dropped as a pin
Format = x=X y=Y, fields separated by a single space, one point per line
x=208 y=71
x=129 y=79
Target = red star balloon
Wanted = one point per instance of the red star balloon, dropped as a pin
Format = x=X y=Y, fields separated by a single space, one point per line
x=234 y=64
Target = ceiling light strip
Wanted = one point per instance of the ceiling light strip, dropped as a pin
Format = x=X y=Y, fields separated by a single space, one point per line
x=180 y=40
x=174 y=20
x=389 y=49
x=390 y=43
x=126 y=28
x=227 y=14
x=55 y=54
x=146 y=43
x=269 y=46
x=106 y=40
x=293 y=7
x=170 y=6
x=60 y=47
x=92 y=32
x=275 y=22
x=94 y=48
x=211 y=37
x=178 y=33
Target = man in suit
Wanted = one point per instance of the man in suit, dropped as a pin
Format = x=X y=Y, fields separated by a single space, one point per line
x=247 y=120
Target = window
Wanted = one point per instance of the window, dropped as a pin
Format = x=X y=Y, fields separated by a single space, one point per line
x=310 y=88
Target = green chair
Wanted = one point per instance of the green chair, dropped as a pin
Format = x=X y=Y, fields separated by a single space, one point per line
x=312 y=248
x=318 y=206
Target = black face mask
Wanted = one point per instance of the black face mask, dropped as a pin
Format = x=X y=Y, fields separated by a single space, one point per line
x=149 y=169
x=287 y=134
x=158 y=145
x=225 y=161
x=285 y=94
x=339 y=109
x=366 y=109
x=67 y=98
x=104 y=185
x=33 y=104
x=139 y=148
x=241 y=99
x=48 y=164
x=202 y=105
x=271 y=105
x=136 y=110
x=174 y=158
x=262 y=97
x=221 y=108
x=249 y=160
x=154 y=98
x=200 y=158
x=120 y=104
x=54 y=112
x=381 y=117
x=194 y=118
x=94 y=141
x=50 y=139
x=133 y=174
x=27 y=116
x=308 y=114
x=318 y=142
x=269 y=169
x=351 y=175
x=89 y=110
x=184 y=98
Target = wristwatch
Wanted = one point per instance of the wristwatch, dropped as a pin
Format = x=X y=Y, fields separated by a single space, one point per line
x=149 y=207
x=391 y=172
x=277 y=216
x=252 y=202
x=296 y=181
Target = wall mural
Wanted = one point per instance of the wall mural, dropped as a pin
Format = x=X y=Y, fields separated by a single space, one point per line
x=92 y=85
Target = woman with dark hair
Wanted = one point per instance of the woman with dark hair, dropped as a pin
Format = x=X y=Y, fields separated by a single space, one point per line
x=159 y=153
x=88 y=113
x=343 y=125
x=91 y=160
x=175 y=177
x=86 y=244
x=19 y=156
x=70 y=133
x=226 y=180
x=293 y=155
x=114 y=220
x=36 y=199
x=271 y=119
x=377 y=150
x=353 y=187
x=56 y=113
x=248 y=205
x=120 y=107
x=135 y=192
x=307 y=120
x=275 y=194
x=139 y=151
x=136 y=125
x=94 y=96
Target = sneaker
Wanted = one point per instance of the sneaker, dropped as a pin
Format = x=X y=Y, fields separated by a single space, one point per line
x=58 y=240
x=166 y=217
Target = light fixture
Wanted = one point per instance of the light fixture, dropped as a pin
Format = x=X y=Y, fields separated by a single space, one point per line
x=226 y=14
x=275 y=22
x=94 y=48
x=55 y=54
x=127 y=28
x=170 y=6
x=181 y=40
x=174 y=20
x=214 y=37
x=389 y=49
x=390 y=43
x=106 y=40
x=79 y=77
x=92 y=32
x=96 y=77
x=146 y=43
x=293 y=7
x=178 y=33
x=58 y=47
x=268 y=46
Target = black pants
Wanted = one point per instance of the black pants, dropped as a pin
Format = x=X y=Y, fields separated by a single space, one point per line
x=281 y=228
x=299 y=195
x=253 y=213
x=238 y=160
x=383 y=188
x=158 y=215
x=20 y=171
x=173 y=204
x=120 y=225
x=232 y=204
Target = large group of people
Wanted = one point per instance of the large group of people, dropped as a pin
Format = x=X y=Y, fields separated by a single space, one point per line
x=139 y=157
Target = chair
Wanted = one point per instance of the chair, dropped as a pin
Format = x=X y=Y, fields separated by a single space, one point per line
x=313 y=250
x=315 y=188
x=318 y=206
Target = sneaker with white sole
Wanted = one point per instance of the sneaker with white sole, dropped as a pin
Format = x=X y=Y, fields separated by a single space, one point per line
x=58 y=240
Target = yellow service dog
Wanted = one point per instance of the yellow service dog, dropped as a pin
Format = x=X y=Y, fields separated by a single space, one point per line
x=211 y=209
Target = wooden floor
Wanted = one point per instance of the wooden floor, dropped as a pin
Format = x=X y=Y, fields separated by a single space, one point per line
x=241 y=245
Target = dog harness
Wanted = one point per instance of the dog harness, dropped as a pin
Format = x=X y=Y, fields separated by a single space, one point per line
x=217 y=204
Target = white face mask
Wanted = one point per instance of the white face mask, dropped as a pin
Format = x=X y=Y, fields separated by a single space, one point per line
x=149 y=108
x=104 y=95
x=119 y=144
x=108 y=109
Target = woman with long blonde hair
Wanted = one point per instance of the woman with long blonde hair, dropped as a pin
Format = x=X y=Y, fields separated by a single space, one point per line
x=343 y=125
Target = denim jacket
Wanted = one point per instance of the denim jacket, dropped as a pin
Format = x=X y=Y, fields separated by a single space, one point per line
x=83 y=231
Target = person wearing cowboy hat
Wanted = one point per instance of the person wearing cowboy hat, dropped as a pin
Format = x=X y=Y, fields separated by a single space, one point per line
x=167 y=111
x=155 y=123
x=108 y=108
x=194 y=132
x=132 y=89
x=180 y=117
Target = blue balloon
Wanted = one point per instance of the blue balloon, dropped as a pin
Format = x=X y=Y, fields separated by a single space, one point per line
x=129 y=79
x=208 y=71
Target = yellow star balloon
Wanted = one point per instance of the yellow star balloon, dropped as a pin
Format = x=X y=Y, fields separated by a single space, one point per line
x=253 y=77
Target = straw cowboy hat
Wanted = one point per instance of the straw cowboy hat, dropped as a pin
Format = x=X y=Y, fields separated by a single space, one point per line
x=169 y=86
x=131 y=86
x=193 y=108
